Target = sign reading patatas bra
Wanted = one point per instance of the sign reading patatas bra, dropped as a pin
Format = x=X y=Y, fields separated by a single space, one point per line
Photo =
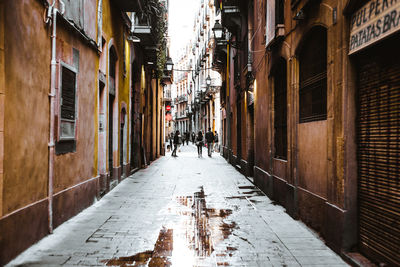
x=373 y=22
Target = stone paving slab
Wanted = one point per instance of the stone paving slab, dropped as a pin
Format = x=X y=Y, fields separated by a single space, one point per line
x=184 y=211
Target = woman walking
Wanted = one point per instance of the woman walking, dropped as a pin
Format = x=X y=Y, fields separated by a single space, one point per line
x=199 y=143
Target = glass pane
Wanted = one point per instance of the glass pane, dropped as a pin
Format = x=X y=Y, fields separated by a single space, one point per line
x=67 y=130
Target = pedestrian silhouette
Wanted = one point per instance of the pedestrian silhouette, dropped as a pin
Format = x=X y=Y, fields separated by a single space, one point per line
x=210 y=141
x=199 y=144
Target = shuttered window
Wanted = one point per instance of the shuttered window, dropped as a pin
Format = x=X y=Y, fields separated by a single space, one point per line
x=379 y=153
x=68 y=104
x=313 y=76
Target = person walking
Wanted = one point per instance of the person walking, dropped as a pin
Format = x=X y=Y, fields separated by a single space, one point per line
x=199 y=144
x=216 y=146
x=176 y=143
x=187 y=138
x=182 y=138
x=210 y=141
x=193 y=138
x=171 y=141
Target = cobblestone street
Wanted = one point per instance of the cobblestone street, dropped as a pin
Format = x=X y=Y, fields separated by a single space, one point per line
x=184 y=211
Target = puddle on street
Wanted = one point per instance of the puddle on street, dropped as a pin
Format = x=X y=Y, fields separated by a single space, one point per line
x=191 y=241
x=160 y=256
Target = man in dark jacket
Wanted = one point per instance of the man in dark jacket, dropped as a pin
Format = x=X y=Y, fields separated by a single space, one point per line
x=187 y=138
x=209 y=140
x=176 y=143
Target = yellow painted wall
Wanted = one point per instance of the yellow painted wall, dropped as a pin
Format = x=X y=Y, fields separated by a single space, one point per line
x=113 y=28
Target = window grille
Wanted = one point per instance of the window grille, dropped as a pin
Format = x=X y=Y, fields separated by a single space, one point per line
x=313 y=76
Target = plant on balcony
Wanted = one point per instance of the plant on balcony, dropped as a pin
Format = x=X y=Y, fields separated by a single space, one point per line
x=157 y=12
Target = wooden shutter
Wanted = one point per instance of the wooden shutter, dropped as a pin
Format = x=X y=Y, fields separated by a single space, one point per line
x=68 y=94
x=379 y=157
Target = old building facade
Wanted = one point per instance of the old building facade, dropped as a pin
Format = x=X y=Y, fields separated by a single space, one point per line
x=206 y=81
x=79 y=77
x=310 y=104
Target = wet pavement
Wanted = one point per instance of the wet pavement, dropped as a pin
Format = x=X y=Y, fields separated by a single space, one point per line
x=184 y=211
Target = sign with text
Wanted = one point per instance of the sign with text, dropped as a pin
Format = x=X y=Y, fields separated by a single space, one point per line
x=374 y=21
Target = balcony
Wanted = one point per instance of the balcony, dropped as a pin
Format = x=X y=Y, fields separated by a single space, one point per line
x=142 y=29
x=167 y=96
x=182 y=98
x=231 y=14
x=181 y=115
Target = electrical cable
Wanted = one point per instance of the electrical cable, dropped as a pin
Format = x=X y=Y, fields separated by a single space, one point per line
x=193 y=70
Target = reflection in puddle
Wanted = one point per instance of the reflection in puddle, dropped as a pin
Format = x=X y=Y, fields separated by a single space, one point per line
x=191 y=241
x=158 y=257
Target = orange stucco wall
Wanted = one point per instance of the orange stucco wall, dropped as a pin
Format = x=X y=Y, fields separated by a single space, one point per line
x=26 y=110
x=83 y=158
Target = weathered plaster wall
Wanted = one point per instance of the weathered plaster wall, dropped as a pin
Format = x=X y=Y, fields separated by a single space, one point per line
x=2 y=103
x=24 y=133
x=262 y=105
x=90 y=23
x=26 y=110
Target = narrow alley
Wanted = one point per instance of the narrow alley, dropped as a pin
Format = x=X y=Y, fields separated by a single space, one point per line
x=184 y=211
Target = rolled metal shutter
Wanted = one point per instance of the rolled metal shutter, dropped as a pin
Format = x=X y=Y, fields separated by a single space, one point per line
x=379 y=157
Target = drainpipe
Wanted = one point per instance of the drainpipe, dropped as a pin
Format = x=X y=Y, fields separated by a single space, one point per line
x=52 y=14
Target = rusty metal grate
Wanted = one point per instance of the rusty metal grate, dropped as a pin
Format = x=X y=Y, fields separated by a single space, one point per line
x=379 y=158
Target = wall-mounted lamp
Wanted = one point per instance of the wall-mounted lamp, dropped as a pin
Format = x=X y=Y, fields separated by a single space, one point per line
x=218 y=30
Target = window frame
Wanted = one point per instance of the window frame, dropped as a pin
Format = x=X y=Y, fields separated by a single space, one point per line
x=60 y=119
x=313 y=83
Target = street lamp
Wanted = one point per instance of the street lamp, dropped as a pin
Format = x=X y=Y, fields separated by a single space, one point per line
x=218 y=30
x=169 y=64
x=208 y=81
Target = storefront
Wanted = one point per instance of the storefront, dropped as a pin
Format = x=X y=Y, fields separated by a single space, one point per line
x=374 y=44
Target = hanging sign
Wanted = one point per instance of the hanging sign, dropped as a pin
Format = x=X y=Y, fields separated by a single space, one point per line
x=374 y=21
x=168 y=108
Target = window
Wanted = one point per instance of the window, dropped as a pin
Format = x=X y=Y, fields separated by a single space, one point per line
x=112 y=70
x=274 y=21
x=280 y=109
x=313 y=76
x=68 y=103
x=279 y=12
x=68 y=112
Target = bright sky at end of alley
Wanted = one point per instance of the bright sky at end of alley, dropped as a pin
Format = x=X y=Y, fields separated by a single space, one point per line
x=181 y=19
